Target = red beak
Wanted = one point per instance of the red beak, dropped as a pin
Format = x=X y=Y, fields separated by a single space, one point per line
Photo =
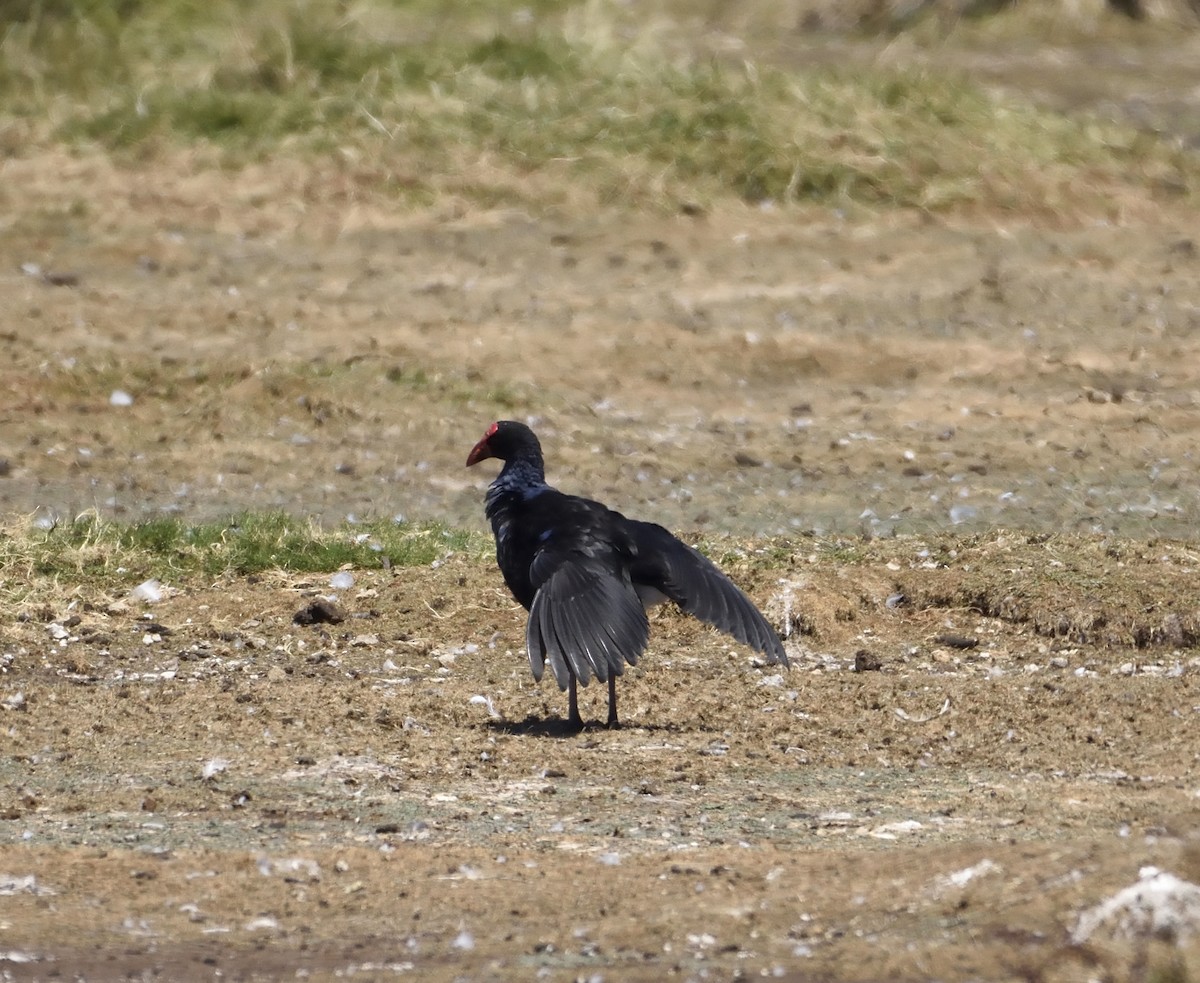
x=480 y=452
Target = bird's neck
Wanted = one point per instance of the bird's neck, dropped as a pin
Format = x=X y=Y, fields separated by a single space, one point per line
x=520 y=479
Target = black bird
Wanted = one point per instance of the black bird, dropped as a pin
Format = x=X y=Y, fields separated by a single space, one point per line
x=587 y=574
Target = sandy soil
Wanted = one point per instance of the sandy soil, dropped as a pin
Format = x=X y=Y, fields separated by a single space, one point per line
x=202 y=789
x=752 y=372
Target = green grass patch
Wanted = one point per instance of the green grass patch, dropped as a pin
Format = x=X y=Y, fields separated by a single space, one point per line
x=1060 y=587
x=444 y=97
x=91 y=548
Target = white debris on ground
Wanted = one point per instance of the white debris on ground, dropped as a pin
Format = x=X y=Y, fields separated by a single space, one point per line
x=959 y=879
x=447 y=655
x=148 y=591
x=962 y=513
x=291 y=868
x=11 y=884
x=213 y=767
x=891 y=831
x=782 y=608
x=342 y=580
x=373 y=968
x=45 y=519
x=120 y=397
x=487 y=701
x=1159 y=905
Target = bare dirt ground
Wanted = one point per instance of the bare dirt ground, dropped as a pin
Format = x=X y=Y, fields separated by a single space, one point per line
x=202 y=789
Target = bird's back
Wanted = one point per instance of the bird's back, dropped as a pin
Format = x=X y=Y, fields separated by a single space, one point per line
x=552 y=528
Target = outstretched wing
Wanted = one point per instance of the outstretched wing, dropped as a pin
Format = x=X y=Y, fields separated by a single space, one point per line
x=693 y=582
x=586 y=619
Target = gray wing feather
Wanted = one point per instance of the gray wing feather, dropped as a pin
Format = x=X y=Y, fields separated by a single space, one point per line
x=693 y=582
x=586 y=620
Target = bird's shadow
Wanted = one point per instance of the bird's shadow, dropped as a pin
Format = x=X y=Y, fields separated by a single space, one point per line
x=533 y=726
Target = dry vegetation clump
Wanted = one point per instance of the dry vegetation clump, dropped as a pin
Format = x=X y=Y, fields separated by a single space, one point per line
x=1080 y=590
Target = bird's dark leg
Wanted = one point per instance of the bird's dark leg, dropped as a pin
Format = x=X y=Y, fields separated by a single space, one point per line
x=612 y=701
x=573 y=717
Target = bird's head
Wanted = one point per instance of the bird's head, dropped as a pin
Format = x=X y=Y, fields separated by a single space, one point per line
x=506 y=440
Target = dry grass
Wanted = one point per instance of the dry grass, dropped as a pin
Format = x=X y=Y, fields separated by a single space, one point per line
x=627 y=110
x=1055 y=18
